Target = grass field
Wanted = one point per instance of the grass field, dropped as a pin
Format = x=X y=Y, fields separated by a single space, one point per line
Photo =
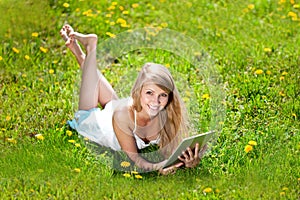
x=252 y=53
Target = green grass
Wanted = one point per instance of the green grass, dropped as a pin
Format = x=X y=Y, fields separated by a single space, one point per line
x=39 y=94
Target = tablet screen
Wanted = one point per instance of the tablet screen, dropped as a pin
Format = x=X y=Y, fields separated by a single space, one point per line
x=202 y=139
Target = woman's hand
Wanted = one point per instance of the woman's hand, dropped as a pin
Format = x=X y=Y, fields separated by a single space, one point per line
x=190 y=158
x=170 y=170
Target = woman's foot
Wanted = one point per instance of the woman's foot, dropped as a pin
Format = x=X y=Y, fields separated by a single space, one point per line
x=72 y=44
x=89 y=41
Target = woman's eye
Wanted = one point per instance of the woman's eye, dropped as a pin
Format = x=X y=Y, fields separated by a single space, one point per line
x=149 y=92
x=164 y=95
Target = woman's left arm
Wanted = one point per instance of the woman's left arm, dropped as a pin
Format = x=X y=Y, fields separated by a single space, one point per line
x=190 y=158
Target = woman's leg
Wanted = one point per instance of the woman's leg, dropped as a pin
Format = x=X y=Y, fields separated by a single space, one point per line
x=94 y=86
x=72 y=44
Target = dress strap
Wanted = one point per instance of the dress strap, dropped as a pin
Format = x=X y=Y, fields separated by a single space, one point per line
x=134 y=122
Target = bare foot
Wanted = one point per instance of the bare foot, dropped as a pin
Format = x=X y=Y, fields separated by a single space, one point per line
x=89 y=41
x=72 y=44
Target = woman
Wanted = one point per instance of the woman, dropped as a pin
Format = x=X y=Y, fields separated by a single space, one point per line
x=154 y=114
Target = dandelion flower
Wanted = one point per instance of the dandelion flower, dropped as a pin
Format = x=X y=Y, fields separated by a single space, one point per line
x=281 y=78
x=294 y=115
x=41 y=79
x=11 y=140
x=284 y=73
x=51 y=71
x=164 y=24
x=127 y=175
x=39 y=136
x=34 y=34
x=205 y=96
x=134 y=172
x=282 y=193
x=251 y=6
x=69 y=133
x=125 y=164
x=138 y=176
x=27 y=57
x=248 y=148
x=285 y=188
x=24 y=75
x=66 y=5
x=8 y=118
x=77 y=145
x=16 y=50
x=207 y=190
x=77 y=170
x=259 y=71
x=1 y=58
x=44 y=50
x=114 y=3
x=110 y=34
x=252 y=143
x=72 y=141
x=125 y=12
x=268 y=72
x=135 y=5
x=268 y=50
x=281 y=93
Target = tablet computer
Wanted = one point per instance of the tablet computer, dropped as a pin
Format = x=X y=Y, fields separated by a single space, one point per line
x=191 y=141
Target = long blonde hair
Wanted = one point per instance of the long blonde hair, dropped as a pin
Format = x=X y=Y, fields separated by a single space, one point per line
x=176 y=123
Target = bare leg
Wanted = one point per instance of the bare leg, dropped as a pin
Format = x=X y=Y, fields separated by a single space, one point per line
x=94 y=86
x=72 y=44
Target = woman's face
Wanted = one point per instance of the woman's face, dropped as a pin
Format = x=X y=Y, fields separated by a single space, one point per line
x=153 y=99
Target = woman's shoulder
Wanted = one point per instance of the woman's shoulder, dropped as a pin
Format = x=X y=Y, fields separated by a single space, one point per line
x=122 y=110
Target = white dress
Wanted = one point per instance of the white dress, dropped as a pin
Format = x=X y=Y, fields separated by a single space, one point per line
x=96 y=125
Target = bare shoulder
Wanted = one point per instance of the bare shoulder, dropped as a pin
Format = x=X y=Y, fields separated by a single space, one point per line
x=123 y=116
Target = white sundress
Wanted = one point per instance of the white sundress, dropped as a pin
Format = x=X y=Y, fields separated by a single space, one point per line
x=96 y=125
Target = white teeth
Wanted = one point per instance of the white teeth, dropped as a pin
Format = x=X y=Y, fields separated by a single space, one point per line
x=154 y=107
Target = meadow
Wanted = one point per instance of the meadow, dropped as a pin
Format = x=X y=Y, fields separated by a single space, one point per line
x=247 y=88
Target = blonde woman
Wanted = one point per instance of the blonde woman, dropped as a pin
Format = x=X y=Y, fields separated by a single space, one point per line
x=154 y=114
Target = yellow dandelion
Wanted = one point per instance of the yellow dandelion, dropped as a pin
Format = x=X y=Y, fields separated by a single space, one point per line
x=294 y=115
x=77 y=170
x=125 y=164
x=112 y=23
x=27 y=57
x=11 y=140
x=134 y=172
x=205 y=96
x=281 y=93
x=111 y=7
x=34 y=34
x=137 y=176
x=1 y=58
x=268 y=50
x=282 y=193
x=268 y=72
x=248 y=148
x=281 y=78
x=292 y=14
x=292 y=2
x=8 y=118
x=77 y=145
x=44 y=50
x=108 y=15
x=259 y=71
x=77 y=10
x=207 y=190
x=296 y=6
x=285 y=188
x=86 y=139
x=127 y=175
x=72 y=141
x=125 y=12
x=251 y=6
x=66 y=5
x=41 y=79
x=121 y=8
x=110 y=34
x=135 y=5
x=164 y=24
x=252 y=143
x=69 y=133
x=39 y=136
x=298 y=179
x=114 y=3
x=284 y=73
x=24 y=75
x=16 y=50
x=51 y=71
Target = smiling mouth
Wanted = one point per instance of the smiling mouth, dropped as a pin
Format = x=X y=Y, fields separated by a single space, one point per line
x=156 y=108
